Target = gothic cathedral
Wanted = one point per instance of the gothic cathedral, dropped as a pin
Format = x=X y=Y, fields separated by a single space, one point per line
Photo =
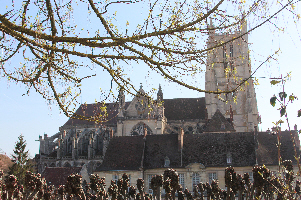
x=83 y=143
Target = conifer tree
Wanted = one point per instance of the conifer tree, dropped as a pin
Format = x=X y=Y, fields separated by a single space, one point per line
x=21 y=162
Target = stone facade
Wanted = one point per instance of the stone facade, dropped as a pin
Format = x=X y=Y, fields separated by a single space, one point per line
x=226 y=67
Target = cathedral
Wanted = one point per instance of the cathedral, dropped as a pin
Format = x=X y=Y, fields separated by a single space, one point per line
x=171 y=131
x=83 y=142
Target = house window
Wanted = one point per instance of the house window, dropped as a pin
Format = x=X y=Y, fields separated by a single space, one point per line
x=195 y=179
x=115 y=178
x=250 y=176
x=150 y=176
x=224 y=52
x=181 y=181
x=212 y=176
x=231 y=50
x=166 y=162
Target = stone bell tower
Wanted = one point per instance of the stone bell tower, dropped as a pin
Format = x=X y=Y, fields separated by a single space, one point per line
x=226 y=67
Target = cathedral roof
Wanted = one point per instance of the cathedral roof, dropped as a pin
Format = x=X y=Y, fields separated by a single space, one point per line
x=175 y=109
x=93 y=110
x=185 y=108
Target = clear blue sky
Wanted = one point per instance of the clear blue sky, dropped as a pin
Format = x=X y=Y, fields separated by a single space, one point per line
x=31 y=116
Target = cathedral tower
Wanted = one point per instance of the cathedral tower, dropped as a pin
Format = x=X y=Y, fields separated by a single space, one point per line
x=226 y=67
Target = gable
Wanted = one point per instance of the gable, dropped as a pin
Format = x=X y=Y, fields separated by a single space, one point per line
x=218 y=123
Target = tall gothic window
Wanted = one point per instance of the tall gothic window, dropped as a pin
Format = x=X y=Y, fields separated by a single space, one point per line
x=231 y=65
x=225 y=65
x=231 y=51
x=224 y=52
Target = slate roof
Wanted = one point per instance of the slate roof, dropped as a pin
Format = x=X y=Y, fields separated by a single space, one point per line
x=196 y=149
x=93 y=110
x=123 y=153
x=218 y=123
x=209 y=149
x=158 y=147
x=267 y=152
x=58 y=175
x=175 y=109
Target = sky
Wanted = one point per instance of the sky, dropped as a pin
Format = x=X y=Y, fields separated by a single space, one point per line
x=31 y=116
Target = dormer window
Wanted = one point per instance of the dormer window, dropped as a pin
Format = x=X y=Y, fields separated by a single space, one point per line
x=229 y=159
x=166 y=162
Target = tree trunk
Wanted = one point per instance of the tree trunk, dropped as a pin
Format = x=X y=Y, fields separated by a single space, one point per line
x=173 y=194
x=158 y=193
x=240 y=195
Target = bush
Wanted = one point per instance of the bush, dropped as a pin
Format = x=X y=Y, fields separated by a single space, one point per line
x=265 y=186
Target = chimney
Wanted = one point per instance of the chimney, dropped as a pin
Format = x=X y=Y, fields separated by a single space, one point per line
x=180 y=139
x=295 y=127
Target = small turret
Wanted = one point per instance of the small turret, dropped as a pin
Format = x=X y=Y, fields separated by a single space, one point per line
x=121 y=98
x=160 y=94
x=121 y=103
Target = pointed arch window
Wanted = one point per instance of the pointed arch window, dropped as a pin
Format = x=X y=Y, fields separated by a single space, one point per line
x=224 y=52
x=138 y=129
x=231 y=50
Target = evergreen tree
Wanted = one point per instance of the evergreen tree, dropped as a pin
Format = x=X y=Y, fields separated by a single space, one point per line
x=21 y=162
